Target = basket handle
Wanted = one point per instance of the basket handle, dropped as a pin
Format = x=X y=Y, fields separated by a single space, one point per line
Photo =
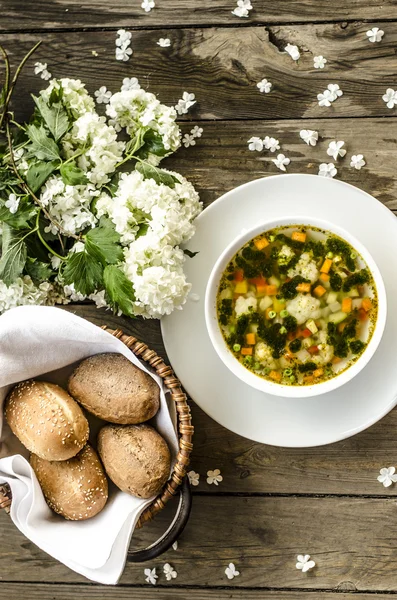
x=174 y=530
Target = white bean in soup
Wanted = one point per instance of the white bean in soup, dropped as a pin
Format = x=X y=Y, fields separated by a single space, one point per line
x=297 y=305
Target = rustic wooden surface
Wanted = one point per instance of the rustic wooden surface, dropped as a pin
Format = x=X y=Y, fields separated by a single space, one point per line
x=273 y=503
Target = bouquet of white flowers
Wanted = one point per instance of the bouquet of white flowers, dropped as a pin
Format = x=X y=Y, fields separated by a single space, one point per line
x=74 y=223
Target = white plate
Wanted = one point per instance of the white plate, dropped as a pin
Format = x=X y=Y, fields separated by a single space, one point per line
x=269 y=419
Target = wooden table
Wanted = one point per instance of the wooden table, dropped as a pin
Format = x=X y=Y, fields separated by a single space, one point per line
x=273 y=503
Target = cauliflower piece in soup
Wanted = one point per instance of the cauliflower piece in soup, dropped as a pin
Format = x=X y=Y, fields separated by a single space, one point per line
x=263 y=353
x=305 y=267
x=285 y=255
x=245 y=305
x=304 y=307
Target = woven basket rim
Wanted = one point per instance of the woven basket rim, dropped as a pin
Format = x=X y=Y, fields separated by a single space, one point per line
x=185 y=428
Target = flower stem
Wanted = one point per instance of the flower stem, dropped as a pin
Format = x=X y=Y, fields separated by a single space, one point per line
x=42 y=240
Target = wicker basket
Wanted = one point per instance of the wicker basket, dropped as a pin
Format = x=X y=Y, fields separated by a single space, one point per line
x=185 y=428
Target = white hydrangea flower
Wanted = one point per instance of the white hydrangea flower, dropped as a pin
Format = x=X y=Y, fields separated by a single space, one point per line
x=151 y=576
x=309 y=136
x=188 y=140
x=327 y=170
x=12 y=203
x=264 y=86
x=336 y=149
x=123 y=53
x=169 y=572
x=304 y=563
x=335 y=90
x=387 y=476
x=357 y=161
x=281 y=162
x=185 y=103
x=255 y=144
x=74 y=95
x=102 y=95
x=23 y=291
x=390 y=98
x=293 y=51
x=194 y=478
x=71 y=295
x=197 y=131
x=325 y=98
x=99 y=299
x=270 y=143
x=231 y=571
x=242 y=9
x=319 y=62
x=375 y=34
x=130 y=83
x=55 y=262
x=164 y=42
x=123 y=41
x=41 y=69
x=147 y=5
x=214 y=477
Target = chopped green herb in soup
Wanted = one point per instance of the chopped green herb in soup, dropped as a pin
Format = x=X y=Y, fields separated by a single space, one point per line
x=297 y=305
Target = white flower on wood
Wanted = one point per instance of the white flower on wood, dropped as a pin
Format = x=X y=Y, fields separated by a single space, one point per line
x=151 y=576
x=304 y=563
x=270 y=143
x=375 y=34
x=387 y=476
x=185 y=103
x=169 y=572
x=164 y=42
x=214 y=477
x=319 y=62
x=194 y=478
x=231 y=571
x=188 y=140
x=390 y=98
x=281 y=162
x=103 y=95
x=336 y=149
x=175 y=545
x=327 y=170
x=335 y=90
x=293 y=51
x=264 y=86
x=255 y=144
x=325 y=98
x=357 y=161
x=242 y=9
x=147 y=5
x=196 y=131
x=130 y=83
x=309 y=136
x=41 y=69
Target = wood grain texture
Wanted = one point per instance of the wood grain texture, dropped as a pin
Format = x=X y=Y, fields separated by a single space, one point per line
x=223 y=65
x=353 y=542
x=51 y=14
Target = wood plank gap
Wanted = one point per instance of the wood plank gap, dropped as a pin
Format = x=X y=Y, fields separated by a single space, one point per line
x=204 y=494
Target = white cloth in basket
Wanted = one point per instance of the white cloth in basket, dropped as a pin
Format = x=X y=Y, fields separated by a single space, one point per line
x=44 y=341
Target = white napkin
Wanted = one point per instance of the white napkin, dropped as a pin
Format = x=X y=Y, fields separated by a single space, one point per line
x=47 y=342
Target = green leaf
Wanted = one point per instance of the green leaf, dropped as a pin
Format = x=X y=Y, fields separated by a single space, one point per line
x=72 y=175
x=119 y=289
x=103 y=243
x=54 y=116
x=13 y=254
x=7 y=178
x=159 y=175
x=85 y=271
x=38 y=174
x=152 y=144
x=20 y=219
x=189 y=253
x=43 y=147
x=37 y=270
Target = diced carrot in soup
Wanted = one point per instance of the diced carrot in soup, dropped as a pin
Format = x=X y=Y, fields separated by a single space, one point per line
x=346 y=305
x=305 y=333
x=327 y=264
x=246 y=351
x=238 y=275
x=250 y=339
x=313 y=350
x=261 y=243
x=319 y=291
x=303 y=287
x=275 y=375
x=271 y=290
x=367 y=304
x=324 y=277
x=318 y=372
x=362 y=314
x=298 y=236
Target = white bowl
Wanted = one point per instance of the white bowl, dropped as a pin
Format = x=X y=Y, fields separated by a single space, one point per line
x=260 y=383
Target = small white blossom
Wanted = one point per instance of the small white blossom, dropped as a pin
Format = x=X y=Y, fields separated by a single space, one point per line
x=55 y=262
x=390 y=98
x=327 y=170
x=197 y=131
x=264 y=86
x=335 y=90
x=151 y=576
x=319 y=62
x=214 y=477
x=99 y=299
x=103 y=95
x=375 y=34
x=293 y=51
x=270 y=143
x=164 y=42
x=169 y=572
x=185 y=103
x=147 y=5
x=255 y=143
x=175 y=545
x=188 y=140
x=41 y=69
x=231 y=571
x=194 y=478
x=12 y=203
x=325 y=98
x=357 y=161
x=123 y=54
x=242 y=9
x=130 y=83
x=304 y=563
x=336 y=149
x=123 y=41
x=309 y=136
x=123 y=37
x=94 y=53
x=281 y=162
x=387 y=476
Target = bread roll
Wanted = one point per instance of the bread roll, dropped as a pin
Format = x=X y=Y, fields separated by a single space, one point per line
x=46 y=420
x=76 y=488
x=112 y=388
x=135 y=457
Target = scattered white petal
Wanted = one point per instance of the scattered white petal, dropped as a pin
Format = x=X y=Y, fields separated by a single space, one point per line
x=293 y=51
x=281 y=162
x=255 y=144
x=264 y=86
x=164 y=43
x=94 y=53
x=147 y=5
x=390 y=98
x=197 y=131
x=41 y=69
x=357 y=161
x=175 y=545
x=325 y=98
x=130 y=83
x=55 y=262
x=375 y=34
x=270 y=143
x=335 y=90
x=185 y=103
x=243 y=8
x=194 y=298
x=231 y=571
x=336 y=149
x=387 y=476
x=123 y=54
x=123 y=41
x=327 y=170
x=309 y=136
x=194 y=478
x=188 y=140
x=214 y=477
x=304 y=563
x=151 y=576
x=12 y=203
x=319 y=62
x=169 y=572
x=103 y=95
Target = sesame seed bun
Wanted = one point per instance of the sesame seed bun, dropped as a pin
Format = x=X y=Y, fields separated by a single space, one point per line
x=46 y=420
x=135 y=457
x=76 y=489
x=110 y=387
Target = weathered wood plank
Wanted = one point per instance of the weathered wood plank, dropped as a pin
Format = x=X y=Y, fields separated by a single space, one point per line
x=50 y=14
x=348 y=467
x=353 y=542
x=223 y=65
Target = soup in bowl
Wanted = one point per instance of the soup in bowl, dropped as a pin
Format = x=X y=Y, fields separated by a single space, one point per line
x=295 y=308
